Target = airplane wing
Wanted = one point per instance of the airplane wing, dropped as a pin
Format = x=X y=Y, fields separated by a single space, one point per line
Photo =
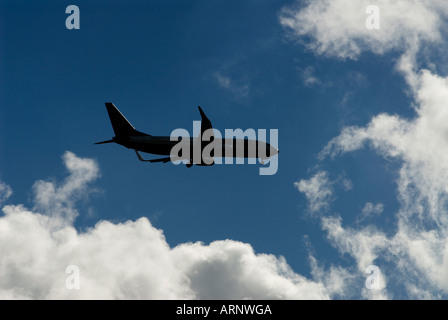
x=205 y=122
x=164 y=160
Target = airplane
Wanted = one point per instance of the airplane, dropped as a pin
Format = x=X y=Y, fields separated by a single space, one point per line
x=127 y=136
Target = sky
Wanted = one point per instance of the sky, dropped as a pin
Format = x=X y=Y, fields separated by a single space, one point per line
x=357 y=208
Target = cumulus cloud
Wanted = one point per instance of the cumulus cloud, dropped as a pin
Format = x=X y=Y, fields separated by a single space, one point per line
x=231 y=270
x=130 y=260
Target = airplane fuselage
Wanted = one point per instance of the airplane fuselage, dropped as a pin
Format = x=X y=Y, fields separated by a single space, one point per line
x=163 y=145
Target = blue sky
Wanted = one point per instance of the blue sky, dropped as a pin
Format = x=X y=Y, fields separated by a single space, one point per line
x=248 y=68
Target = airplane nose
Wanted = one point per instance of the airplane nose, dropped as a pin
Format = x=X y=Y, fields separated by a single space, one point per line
x=273 y=151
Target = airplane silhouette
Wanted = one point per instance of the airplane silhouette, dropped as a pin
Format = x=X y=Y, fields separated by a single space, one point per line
x=127 y=136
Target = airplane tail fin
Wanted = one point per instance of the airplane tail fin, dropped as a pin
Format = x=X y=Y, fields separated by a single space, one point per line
x=120 y=124
x=205 y=122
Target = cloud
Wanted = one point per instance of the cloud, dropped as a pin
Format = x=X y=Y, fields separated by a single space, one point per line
x=363 y=245
x=58 y=200
x=370 y=210
x=420 y=144
x=308 y=76
x=239 y=88
x=222 y=80
x=318 y=190
x=414 y=257
x=338 y=280
x=130 y=260
x=5 y=192
x=231 y=270
x=337 y=28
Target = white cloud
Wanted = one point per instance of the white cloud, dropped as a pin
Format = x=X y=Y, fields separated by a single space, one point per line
x=231 y=270
x=123 y=261
x=419 y=247
x=337 y=28
x=318 y=190
x=130 y=260
x=337 y=280
x=363 y=244
x=308 y=76
x=415 y=256
x=239 y=88
x=5 y=192
x=59 y=200
x=420 y=143
x=223 y=81
x=370 y=210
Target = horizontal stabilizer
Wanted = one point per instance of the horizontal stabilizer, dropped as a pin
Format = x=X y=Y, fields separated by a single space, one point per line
x=107 y=141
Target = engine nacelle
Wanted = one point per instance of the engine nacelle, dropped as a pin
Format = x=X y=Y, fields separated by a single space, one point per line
x=201 y=164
